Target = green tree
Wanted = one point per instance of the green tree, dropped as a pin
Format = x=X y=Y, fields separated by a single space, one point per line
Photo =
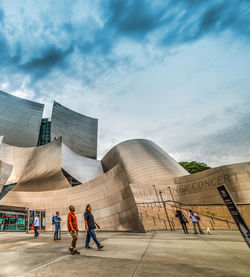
x=194 y=167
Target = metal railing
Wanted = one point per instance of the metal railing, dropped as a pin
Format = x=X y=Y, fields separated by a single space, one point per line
x=181 y=206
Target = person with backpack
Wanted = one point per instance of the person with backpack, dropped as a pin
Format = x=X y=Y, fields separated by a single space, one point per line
x=57 y=222
x=195 y=220
x=90 y=226
x=183 y=220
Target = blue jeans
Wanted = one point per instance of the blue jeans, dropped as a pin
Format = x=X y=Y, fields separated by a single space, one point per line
x=56 y=232
x=91 y=234
x=36 y=232
x=199 y=227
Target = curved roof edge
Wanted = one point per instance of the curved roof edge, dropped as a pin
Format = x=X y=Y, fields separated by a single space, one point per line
x=143 y=161
x=74 y=112
x=17 y=98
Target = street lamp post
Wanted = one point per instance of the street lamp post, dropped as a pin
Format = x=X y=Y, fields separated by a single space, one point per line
x=156 y=194
x=164 y=205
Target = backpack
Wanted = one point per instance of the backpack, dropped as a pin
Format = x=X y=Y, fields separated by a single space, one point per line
x=197 y=217
x=53 y=220
x=184 y=220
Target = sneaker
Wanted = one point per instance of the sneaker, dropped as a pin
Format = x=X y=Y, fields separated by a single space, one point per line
x=88 y=247
x=100 y=247
x=75 y=252
x=70 y=249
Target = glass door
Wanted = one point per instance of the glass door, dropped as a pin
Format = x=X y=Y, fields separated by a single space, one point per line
x=13 y=221
x=43 y=220
x=31 y=220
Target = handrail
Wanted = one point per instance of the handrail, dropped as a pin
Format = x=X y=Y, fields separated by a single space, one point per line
x=182 y=208
x=190 y=204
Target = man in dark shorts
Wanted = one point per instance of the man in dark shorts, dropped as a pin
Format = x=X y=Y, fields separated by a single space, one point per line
x=73 y=229
x=90 y=226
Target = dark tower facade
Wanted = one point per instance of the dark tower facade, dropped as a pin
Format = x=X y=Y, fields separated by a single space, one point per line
x=44 y=135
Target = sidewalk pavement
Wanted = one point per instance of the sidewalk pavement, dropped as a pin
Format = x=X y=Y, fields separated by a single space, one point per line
x=159 y=253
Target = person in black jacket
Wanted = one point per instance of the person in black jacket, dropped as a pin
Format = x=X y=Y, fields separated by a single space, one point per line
x=90 y=226
x=183 y=220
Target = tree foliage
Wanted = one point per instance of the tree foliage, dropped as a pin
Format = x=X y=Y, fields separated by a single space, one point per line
x=194 y=167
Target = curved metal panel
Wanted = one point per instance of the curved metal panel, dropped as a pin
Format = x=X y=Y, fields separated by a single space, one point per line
x=35 y=168
x=20 y=120
x=78 y=131
x=81 y=168
x=43 y=169
x=143 y=161
x=5 y=171
x=110 y=196
x=16 y=156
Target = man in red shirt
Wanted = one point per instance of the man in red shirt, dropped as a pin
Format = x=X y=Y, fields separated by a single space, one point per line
x=73 y=229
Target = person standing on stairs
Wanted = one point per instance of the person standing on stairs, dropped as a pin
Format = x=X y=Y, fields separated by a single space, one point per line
x=183 y=220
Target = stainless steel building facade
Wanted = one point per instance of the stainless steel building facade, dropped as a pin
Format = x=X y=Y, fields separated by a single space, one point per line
x=37 y=177
x=20 y=120
x=79 y=132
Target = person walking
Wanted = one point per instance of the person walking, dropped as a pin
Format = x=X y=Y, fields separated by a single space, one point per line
x=90 y=226
x=183 y=220
x=73 y=229
x=57 y=222
x=3 y=225
x=36 y=226
x=195 y=220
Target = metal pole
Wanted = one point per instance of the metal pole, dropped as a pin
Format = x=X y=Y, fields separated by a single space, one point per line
x=27 y=221
x=156 y=194
x=165 y=224
x=164 y=205
x=172 y=196
x=174 y=204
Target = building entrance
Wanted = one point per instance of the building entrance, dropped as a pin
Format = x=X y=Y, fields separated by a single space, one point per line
x=13 y=219
x=41 y=215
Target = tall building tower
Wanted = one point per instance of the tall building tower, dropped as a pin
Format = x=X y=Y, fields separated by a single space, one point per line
x=44 y=135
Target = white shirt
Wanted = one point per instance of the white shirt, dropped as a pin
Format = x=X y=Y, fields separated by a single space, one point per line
x=36 y=222
x=193 y=217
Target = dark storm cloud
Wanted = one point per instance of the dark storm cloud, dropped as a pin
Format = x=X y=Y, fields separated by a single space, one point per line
x=177 y=21
x=49 y=59
x=134 y=18
x=207 y=18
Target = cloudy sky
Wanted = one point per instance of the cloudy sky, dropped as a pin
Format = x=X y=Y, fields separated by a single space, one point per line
x=175 y=72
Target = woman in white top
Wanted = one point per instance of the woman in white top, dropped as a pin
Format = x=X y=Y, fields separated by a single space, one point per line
x=195 y=220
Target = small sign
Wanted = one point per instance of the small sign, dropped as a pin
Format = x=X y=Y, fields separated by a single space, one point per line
x=232 y=207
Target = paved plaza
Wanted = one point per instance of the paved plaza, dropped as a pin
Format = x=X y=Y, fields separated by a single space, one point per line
x=158 y=253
